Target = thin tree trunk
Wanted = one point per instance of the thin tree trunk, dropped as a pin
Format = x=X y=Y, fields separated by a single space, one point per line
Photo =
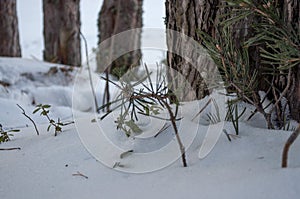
x=115 y=17
x=9 y=32
x=62 y=32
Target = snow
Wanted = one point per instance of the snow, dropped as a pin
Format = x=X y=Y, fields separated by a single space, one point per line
x=246 y=167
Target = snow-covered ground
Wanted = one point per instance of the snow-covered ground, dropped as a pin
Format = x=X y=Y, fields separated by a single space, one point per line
x=246 y=167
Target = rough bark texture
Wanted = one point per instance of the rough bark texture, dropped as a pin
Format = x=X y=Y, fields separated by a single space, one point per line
x=62 y=32
x=295 y=96
x=187 y=17
x=291 y=10
x=117 y=16
x=9 y=32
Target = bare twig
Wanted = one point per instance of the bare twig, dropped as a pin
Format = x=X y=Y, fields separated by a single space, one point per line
x=227 y=135
x=286 y=89
x=207 y=103
x=9 y=149
x=287 y=145
x=68 y=123
x=24 y=113
x=173 y=119
x=165 y=127
x=242 y=93
x=118 y=164
x=106 y=95
x=80 y=174
x=89 y=70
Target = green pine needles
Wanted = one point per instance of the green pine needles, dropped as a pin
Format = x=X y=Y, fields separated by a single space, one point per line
x=262 y=58
x=146 y=98
x=256 y=46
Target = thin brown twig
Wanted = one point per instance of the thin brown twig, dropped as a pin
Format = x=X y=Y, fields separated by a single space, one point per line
x=286 y=89
x=24 y=113
x=162 y=130
x=204 y=107
x=181 y=146
x=287 y=146
x=241 y=92
x=80 y=174
x=9 y=149
x=227 y=135
x=89 y=71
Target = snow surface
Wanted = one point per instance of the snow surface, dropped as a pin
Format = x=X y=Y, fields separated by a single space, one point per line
x=247 y=167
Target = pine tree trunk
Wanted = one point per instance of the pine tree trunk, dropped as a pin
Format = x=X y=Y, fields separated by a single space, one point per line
x=291 y=10
x=187 y=17
x=115 y=17
x=295 y=97
x=9 y=32
x=62 y=32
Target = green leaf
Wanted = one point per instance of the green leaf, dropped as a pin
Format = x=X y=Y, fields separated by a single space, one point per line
x=14 y=130
x=48 y=127
x=46 y=106
x=44 y=112
x=126 y=153
x=36 y=110
x=133 y=126
x=147 y=110
x=58 y=129
x=155 y=109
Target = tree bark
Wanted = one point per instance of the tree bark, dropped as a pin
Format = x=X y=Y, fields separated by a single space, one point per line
x=294 y=99
x=291 y=10
x=62 y=32
x=9 y=32
x=115 y=17
x=187 y=17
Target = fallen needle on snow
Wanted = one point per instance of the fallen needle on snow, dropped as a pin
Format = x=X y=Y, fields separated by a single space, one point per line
x=80 y=174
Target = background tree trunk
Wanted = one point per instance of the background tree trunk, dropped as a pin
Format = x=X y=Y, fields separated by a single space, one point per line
x=62 y=32
x=117 y=16
x=187 y=17
x=9 y=32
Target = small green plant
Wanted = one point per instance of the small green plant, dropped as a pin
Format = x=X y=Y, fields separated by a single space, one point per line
x=44 y=110
x=138 y=98
x=233 y=114
x=5 y=135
